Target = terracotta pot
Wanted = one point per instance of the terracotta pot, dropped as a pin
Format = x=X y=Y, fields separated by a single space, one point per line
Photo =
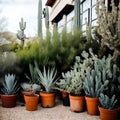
x=25 y=93
x=8 y=101
x=92 y=105
x=31 y=102
x=65 y=98
x=77 y=103
x=106 y=114
x=47 y=99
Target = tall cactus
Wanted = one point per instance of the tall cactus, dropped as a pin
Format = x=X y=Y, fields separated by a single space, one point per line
x=77 y=21
x=47 y=17
x=20 y=34
x=47 y=22
x=40 y=18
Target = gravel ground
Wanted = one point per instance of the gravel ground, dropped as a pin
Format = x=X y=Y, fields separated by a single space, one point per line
x=59 y=112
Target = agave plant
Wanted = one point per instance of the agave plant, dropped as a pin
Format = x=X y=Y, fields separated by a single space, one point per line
x=47 y=78
x=10 y=85
x=33 y=74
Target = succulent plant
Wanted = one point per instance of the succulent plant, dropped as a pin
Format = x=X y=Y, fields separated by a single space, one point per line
x=93 y=84
x=107 y=102
x=33 y=78
x=47 y=78
x=30 y=87
x=20 y=34
x=10 y=85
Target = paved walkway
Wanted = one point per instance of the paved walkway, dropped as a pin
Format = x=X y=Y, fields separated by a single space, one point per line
x=59 y=112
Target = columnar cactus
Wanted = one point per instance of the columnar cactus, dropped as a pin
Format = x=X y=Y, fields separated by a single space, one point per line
x=77 y=20
x=47 y=17
x=109 y=26
x=40 y=18
x=20 y=34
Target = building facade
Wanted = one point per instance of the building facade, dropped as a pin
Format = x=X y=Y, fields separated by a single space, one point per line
x=62 y=12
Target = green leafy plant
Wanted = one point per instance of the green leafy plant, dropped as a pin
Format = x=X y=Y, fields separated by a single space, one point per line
x=10 y=85
x=47 y=78
x=107 y=102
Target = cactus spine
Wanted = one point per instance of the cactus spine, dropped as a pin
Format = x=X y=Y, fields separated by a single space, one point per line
x=20 y=34
x=40 y=18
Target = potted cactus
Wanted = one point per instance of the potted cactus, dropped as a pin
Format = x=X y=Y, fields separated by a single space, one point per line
x=108 y=109
x=9 y=89
x=47 y=79
x=93 y=86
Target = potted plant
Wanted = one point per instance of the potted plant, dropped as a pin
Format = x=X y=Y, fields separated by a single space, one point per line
x=93 y=86
x=32 y=84
x=31 y=101
x=108 y=109
x=29 y=90
x=72 y=82
x=61 y=86
x=47 y=79
x=9 y=89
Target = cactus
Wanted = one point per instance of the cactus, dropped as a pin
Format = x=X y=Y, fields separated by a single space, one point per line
x=20 y=34
x=47 y=17
x=77 y=21
x=93 y=85
x=107 y=102
x=109 y=27
x=40 y=18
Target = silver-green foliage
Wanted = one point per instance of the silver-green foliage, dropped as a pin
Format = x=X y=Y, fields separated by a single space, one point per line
x=107 y=102
x=47 y=78
x=33 y=78
x=30 y=87
x=20 y=34
x=93 y=85
x=72 y=81
x=10 y=85
x=103 y=76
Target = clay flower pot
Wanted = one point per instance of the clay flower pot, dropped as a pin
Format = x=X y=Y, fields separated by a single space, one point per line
x=31 y=102
x=47 y=99
x=8 y=101
x=92 y=105
x=77 y=103
x=106 y=114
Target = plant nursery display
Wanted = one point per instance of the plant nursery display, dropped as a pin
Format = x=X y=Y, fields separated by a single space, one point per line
x=9 y=89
